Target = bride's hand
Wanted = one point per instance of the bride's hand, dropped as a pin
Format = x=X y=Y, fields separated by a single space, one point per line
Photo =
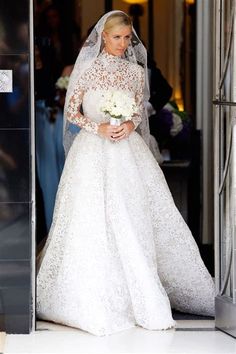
x=123 y=131
x=107 y=131
x=115 y=133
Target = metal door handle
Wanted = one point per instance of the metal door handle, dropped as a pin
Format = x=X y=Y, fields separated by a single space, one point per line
x=223 y=103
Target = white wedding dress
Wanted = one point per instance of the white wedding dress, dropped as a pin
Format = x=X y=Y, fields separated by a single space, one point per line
x=118 y=254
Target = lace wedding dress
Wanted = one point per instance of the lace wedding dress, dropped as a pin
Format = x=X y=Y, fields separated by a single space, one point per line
x=119 y=254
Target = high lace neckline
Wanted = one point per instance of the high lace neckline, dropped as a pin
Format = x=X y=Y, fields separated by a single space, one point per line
x=108 y=56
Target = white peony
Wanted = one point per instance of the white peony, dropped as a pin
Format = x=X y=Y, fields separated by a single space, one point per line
x=62 y=82
x=118 y=104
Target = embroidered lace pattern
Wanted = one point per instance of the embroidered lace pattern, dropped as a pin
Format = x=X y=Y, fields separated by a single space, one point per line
x=108 y=72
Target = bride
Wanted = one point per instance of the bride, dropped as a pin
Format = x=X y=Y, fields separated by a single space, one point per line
x=118 y=254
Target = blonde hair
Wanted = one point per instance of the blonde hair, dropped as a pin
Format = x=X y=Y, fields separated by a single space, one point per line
x=117 y=19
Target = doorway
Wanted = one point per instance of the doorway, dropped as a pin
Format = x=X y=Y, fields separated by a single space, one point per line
x=178 y=166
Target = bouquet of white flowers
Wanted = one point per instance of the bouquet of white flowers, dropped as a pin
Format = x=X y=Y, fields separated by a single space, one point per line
x=119 y=106
x=62 y=83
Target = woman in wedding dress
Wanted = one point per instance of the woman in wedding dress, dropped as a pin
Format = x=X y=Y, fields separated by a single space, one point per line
x=119 y=253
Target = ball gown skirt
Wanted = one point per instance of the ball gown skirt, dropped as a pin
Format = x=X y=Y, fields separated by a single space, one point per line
x=119 y=253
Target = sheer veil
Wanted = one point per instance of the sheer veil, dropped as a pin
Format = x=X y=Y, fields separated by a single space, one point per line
x=135 y=53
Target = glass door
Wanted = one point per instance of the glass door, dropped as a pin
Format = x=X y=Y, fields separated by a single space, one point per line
x=225 y=164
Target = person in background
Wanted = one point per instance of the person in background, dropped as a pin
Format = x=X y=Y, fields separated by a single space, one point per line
x=61 y=88
x=45 y=148
x=63 y=40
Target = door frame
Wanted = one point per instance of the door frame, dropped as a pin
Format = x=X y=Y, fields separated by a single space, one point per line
x=33 y=168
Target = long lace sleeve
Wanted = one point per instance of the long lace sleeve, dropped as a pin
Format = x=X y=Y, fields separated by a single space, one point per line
x=137 y=118
x=73 y=113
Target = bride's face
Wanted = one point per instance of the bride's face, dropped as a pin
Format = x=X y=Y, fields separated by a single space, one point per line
x=116 y=41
